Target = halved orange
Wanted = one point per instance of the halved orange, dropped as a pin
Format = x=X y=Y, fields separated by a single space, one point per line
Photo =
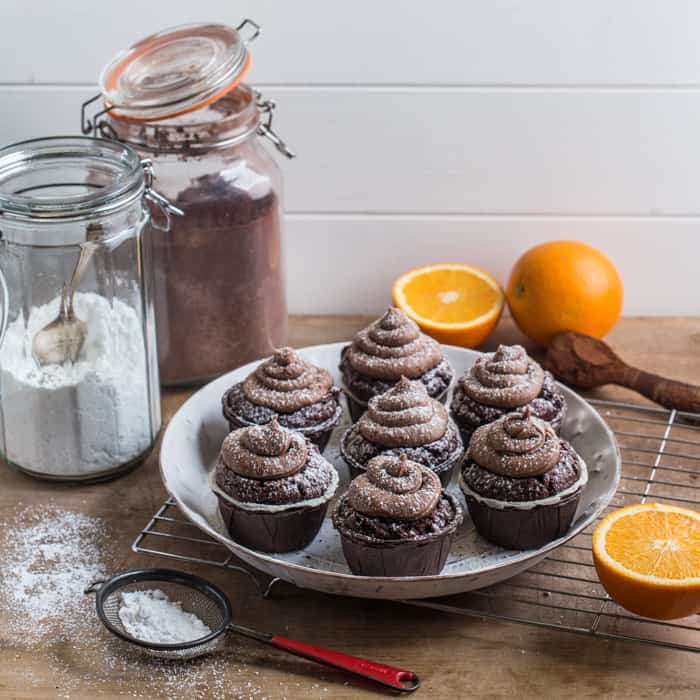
x=648 y=559
x=454 y=303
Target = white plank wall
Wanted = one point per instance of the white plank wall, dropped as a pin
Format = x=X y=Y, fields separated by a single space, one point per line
x=379 y=248
x=443 y=131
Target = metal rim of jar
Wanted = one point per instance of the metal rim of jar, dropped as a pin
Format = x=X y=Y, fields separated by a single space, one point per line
x=106 y=131
x=260 y=124
x=23 y=155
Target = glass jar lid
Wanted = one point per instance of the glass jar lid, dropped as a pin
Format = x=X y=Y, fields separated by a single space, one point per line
x=176 y=71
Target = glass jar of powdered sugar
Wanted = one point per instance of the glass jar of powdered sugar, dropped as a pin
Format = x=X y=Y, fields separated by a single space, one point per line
x=97 y=413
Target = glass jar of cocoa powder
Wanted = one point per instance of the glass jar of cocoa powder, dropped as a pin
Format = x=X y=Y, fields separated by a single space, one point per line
x=177 y=97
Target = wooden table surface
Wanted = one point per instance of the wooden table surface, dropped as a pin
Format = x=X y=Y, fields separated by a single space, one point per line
x=455 y=656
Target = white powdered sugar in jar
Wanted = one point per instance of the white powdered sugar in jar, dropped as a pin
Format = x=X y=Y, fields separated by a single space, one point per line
x=77 y=420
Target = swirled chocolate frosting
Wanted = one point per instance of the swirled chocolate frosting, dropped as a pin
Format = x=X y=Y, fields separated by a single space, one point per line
x=393 y=347
x=404 y=416
x=507 y=378
x=264 y=452
x=286 y=383
x=517 y=445
x=395 y=488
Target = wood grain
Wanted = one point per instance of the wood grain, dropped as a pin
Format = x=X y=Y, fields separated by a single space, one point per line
x=456 y=657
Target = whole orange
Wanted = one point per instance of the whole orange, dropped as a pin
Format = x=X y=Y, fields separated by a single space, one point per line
x=564 y=286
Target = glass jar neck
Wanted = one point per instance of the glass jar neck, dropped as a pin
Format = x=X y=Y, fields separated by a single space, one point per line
x=106 y=230
x=229 y=121
x=66 y=184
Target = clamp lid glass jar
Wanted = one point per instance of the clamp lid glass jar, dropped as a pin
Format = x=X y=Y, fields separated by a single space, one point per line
x=72 y=218
x=219 y=277
x=176 y=71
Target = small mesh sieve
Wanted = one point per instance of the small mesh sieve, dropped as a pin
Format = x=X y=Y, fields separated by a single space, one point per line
x=196 y=596
x=213 y=608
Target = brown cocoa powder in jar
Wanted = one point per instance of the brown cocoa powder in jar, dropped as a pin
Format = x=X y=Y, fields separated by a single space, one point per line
x=219 y=290
x=219 y=294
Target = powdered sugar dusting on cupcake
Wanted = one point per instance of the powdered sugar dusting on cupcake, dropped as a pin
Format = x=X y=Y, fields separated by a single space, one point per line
x=517 y=445
x=285 y=382
x=395 y=488
x=392 y=347
x=507 y=378
x=264 y=452
x=405 y=416
x=271 y=465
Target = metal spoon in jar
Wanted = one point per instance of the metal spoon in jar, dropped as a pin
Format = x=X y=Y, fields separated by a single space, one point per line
x=62 y=340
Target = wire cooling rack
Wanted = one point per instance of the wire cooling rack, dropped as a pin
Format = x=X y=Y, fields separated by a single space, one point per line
x=660 y=462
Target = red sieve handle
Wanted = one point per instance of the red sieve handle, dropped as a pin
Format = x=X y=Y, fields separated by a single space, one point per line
x=397 y=678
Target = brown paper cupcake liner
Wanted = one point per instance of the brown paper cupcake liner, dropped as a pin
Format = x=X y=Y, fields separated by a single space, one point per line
x=281 y=531
x=517 y=528
x=423 y=556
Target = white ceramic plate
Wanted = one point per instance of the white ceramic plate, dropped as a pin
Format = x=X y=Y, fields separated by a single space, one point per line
x=191 y=444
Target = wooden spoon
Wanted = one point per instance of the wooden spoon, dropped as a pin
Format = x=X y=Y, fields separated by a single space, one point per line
x=587 y=362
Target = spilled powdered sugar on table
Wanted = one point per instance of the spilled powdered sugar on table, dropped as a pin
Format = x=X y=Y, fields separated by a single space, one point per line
x=50 y=556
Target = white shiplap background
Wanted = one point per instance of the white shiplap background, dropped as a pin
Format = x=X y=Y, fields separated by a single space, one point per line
x=451 y=130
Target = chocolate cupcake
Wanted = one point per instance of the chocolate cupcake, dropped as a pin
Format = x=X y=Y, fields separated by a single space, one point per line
x=273 y=487
x=404 y=420
x=396 y=520
x=501 y=382
x=298 y=394
x=388 y=349
x=521 y=481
